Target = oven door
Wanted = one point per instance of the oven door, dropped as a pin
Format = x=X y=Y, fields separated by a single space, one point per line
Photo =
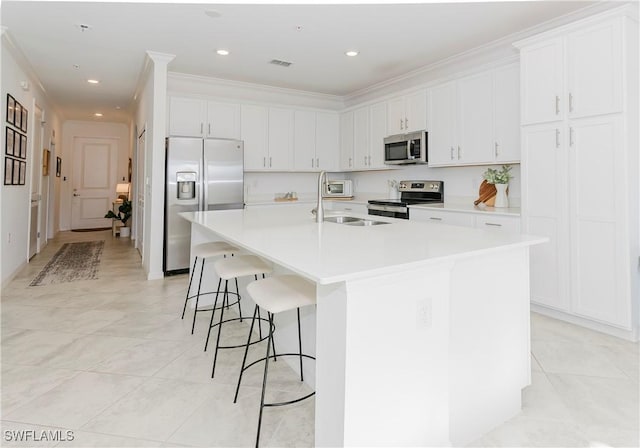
x=390 y=211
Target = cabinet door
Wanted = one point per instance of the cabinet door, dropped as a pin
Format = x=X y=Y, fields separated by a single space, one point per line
x=475 y=119
x=377 y=133
x=598 y=187
x=327 y=141
x=361 y=138
x=506 y=108
x=442 y=113
x=280 y=138
x=304 y=140
x=223 y=120
x=544 y=172
x=541 y=68
x=594 y=69
x=346 y=140
x=186 y=117
x=395 y=116
x=416 y=111
x=254 y=133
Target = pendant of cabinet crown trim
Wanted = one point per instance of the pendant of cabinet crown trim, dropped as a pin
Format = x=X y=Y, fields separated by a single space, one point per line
x=475 y=120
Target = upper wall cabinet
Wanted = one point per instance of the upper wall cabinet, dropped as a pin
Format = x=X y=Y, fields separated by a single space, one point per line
x=407 y=113
x=587 y=61
x=316 y=141
x=190 y=117
x=475 y=120
x=362 y=133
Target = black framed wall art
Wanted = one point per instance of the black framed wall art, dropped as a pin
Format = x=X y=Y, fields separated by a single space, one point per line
x=11 y=109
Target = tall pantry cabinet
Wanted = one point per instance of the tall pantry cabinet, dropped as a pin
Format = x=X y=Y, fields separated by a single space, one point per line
x=580 y=169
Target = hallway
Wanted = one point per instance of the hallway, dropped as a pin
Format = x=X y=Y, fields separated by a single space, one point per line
x=111 y=360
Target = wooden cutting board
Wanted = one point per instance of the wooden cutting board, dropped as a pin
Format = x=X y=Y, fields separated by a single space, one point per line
x=486 y=194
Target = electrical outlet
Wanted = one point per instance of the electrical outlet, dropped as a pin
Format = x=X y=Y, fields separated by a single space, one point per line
x=424 y=313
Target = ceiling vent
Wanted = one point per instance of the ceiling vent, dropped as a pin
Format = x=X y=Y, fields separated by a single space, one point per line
x=280 y=63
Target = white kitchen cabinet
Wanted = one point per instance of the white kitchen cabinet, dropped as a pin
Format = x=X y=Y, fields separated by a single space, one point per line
x=541 y=77
x=579 y=175
x=442 y=217
x=223 y=120
x=304 y=140
x=346 y=140
x=506 y=113
x=316 y=141
x=475 y=120
x=442 y=130
x=254 y=121
x=192 y=117
x=361 y=138
x=280 y=138
x=475 y=142
x=594 y=69
x=407 y=113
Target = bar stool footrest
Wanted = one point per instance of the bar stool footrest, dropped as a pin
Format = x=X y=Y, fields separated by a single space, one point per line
x=274 y=357
x=264 y=338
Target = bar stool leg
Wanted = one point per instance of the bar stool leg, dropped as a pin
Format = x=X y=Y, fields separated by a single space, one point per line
x=195 y=260
x=238 y=295
x=215 y=355
x=256 y=310
x=300 y=346
x=213 y=311
x=193 y=325
x=264 y=378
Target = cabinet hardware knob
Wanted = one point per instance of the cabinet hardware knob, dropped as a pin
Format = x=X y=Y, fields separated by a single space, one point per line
x=458 y=152
x=209 y=128
x=557 y=138
x=435 y=219
x=201 y=128
x=570 y=102
x=496 y=149
x=557 y=105
x=311 y=162
x=570 y=136
x=406 y=123
x=401 y=124
x=270 y=162
x=492 y=224
x=264 y=162
x=452 y=153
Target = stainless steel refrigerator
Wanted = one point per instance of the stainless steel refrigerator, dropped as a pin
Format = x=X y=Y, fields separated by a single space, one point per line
x=201 y=174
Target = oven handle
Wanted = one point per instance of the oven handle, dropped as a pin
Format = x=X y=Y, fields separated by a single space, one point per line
x=387 y=208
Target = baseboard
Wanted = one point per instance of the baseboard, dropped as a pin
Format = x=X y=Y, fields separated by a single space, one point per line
x=9 y=279
x=629 y=335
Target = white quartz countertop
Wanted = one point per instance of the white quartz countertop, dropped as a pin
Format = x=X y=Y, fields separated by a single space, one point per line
x=329 y=252
x=305 y=198
x=469 y=208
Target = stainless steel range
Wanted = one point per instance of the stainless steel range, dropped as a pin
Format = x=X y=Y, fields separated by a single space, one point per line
x=411 y=192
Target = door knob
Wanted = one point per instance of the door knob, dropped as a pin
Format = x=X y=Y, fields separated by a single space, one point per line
x=76 y=194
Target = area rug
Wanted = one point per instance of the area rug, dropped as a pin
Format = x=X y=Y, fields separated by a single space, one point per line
x=73 y=262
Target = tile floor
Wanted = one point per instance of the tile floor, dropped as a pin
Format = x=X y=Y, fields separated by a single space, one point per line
x=111 y=360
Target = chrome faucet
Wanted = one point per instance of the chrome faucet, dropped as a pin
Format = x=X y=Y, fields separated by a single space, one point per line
x=322 y=178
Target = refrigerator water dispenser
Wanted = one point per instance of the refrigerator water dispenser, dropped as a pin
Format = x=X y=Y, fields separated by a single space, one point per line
x=186 y=181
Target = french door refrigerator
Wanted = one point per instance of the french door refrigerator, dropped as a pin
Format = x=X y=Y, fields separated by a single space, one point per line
x=201 y=175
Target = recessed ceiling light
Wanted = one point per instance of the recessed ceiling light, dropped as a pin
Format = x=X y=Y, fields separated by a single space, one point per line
x=76 y=66
x=351 y=53
x=299 y=28
x=93 y=81
x=222 y=52
x=97 y=114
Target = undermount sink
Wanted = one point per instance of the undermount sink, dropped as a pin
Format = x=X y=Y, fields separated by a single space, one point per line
x=350 y=220
x=342 y=219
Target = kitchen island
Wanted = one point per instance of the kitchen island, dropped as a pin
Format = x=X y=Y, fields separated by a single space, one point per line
x=422 y=330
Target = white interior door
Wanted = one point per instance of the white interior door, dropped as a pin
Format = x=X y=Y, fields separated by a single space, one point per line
x=94 y=181
x=139 y=191
x=36 y=181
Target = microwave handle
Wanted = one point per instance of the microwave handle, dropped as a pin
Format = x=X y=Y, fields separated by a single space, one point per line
x=409 y=150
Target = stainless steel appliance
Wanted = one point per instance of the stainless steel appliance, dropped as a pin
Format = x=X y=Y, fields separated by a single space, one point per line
x=411 y=192
x=201 y=174
x=338 y=189
x=404 y=149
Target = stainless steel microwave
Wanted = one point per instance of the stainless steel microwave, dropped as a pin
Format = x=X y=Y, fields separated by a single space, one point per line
x=404 y=149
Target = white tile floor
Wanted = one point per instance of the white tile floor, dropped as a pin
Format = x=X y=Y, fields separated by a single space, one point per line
x=111 y=360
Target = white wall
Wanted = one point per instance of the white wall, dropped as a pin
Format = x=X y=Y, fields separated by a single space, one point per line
x=15 y=200
x=74 y=129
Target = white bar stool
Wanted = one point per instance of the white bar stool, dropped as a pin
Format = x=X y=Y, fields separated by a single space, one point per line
x=276 y=295
x=205 y=251
x=227 y=269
